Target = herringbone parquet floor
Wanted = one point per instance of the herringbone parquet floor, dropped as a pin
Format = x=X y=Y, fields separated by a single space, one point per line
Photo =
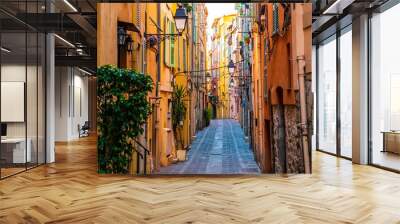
x=70 y=191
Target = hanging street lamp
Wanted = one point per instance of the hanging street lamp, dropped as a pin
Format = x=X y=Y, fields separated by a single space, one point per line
x=180 y=18
x=231 y=67
x=232 y=83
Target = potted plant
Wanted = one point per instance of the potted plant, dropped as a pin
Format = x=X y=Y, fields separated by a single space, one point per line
x=178 y=117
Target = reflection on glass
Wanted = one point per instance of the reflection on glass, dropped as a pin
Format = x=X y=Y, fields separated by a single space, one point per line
x=385 y=84
x=14 y=153
x=327 y=96
x=346 y=94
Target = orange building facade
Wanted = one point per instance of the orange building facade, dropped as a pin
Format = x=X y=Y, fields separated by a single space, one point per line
x=167 y=60
x=281 y=117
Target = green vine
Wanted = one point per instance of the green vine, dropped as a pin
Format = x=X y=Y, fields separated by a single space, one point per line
x=178 y=112
x=122 y=109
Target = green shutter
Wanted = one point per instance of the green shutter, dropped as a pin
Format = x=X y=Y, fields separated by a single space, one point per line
x=172 y=45
x=166 y=43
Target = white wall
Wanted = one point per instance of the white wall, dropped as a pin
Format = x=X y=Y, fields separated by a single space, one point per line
x=17 y=72
x=71 y=102
x=33 y=127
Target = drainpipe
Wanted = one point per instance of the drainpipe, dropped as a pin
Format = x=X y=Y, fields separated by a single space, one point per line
x=155 y=114
x=192 y=46
x=303 y=112
x=158 y=50
x=301 y=63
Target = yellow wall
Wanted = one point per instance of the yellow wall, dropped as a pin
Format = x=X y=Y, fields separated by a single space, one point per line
x=223 y=109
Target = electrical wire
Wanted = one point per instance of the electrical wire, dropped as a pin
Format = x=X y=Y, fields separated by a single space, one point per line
x=211 y=69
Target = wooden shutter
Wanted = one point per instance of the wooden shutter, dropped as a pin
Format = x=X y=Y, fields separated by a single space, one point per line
x=166 y=43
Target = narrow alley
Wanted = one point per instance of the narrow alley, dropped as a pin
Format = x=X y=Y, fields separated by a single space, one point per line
x=246 y=67
x=220 y=148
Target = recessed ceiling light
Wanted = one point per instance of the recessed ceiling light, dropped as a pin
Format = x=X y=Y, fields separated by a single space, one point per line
x=84 y=71
x=5 y=50
x=64 y=40
x=70 y=5
x=337 y=7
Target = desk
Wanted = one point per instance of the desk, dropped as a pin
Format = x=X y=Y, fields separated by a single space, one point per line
x=16 y=147
x=391 y=141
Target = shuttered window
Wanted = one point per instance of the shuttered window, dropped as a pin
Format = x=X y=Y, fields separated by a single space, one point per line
x=169 y=43
x=172 y=44
x=275 y=18
x=166 y=44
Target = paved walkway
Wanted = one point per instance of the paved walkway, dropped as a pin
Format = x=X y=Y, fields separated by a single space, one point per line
x=218 y=149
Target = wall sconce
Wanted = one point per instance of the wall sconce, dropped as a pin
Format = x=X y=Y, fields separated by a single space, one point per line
x=129 y=43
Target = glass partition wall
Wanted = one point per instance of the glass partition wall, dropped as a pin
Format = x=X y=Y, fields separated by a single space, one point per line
x=334 y=93
x=22 y=77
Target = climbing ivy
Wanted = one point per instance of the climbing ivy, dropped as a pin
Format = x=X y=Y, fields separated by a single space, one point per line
x=122 y=109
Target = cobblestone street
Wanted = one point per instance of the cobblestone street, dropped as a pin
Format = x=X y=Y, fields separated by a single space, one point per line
x=219 y=149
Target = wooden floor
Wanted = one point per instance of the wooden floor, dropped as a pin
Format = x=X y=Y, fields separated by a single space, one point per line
x=70 y=191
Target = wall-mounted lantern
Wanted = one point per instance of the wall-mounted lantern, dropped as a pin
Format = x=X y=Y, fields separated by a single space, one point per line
x=125 y=40
x=121 y=36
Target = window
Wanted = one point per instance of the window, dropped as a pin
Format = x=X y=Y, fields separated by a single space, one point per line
x=385 y=89
x=172 y=44
x=327 y=96
x=346 y=93
x=169 y=44
x=275 y=18
x=166 y=43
